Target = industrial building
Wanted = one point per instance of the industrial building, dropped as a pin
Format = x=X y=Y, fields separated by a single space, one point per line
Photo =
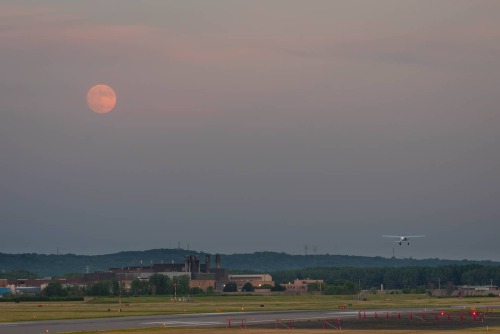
x=300 y=285
x=256 y=280
x=201 y=275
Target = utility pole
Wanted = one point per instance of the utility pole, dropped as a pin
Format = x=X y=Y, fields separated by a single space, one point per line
x=175 y=292
x=120 y=294
x=359 y=289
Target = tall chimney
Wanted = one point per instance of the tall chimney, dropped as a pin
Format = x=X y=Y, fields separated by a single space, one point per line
x=196 y=264
x=191 y=263
x=207 y=263
x=217 y=260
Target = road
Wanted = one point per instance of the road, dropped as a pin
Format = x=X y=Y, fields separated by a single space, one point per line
x=183 y=320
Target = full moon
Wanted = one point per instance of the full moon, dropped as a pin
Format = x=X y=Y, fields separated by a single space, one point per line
x=101 y=99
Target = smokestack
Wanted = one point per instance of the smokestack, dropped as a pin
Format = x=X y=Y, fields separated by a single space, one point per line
x=191 y=263
x=207 y=263
x=196 y=264
x=217 y=261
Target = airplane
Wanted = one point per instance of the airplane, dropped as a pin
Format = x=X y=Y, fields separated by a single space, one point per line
x=403 y=238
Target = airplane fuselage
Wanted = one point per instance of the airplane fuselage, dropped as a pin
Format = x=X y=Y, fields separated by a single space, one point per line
x=403 y=238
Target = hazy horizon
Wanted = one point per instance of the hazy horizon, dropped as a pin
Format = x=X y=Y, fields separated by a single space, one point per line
x=245 y=126
x=250 y=253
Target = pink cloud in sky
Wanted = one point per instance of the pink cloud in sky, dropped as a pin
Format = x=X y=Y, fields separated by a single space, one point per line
x=190 y=54
x=16 y=12
x=35 y=26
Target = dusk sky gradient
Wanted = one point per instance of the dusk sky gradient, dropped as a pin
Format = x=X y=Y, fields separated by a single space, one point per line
x=245 y=126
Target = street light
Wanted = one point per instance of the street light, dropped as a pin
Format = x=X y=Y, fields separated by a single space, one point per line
x=359 y=289
x=120 y=292
x=175 y=292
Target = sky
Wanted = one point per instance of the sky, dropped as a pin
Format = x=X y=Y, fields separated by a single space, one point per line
x=240 y=126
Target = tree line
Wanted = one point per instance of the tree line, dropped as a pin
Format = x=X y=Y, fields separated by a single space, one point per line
x=399 y=278
x=157 y=284
x=337 y=280
x=51 y=265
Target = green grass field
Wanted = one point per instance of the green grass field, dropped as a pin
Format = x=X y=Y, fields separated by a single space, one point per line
x=295 y=331
x=133 y=306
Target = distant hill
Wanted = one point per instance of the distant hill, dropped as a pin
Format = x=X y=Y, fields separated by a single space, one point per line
x=56 y=265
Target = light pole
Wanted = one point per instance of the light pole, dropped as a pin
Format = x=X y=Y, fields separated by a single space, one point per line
x=175 y=292
x=359 y=289
x=120 y=293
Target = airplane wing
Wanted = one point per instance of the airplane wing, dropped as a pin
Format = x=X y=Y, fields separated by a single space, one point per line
x=400 y=239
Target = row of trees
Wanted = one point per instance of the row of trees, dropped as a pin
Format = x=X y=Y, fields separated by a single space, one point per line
x=248 y=287
x=160 y=285
x=156 y=285
x=52 y=265
x=17 y=273
x=399 y=278
x=345 y=288
x=338 y=281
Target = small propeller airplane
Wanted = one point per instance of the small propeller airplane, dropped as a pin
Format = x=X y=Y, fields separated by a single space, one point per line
x=403 y=238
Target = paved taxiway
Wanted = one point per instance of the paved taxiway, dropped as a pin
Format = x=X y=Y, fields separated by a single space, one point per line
x=178 y=320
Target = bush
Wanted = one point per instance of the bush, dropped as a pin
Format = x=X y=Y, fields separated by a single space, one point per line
x=420 y=290
x=230 y=287
x=346 y=288
x=278 y=287
x=196 y=291
x=55 y=289
x=264 y=286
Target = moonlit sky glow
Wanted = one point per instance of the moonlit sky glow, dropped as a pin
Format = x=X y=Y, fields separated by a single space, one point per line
x=248 y=126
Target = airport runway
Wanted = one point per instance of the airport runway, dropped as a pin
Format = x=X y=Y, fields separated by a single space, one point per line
x=180 y=320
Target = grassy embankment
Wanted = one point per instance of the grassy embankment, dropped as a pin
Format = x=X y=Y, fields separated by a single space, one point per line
x=135 y=306
x=294 y=331
x=110 y=307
